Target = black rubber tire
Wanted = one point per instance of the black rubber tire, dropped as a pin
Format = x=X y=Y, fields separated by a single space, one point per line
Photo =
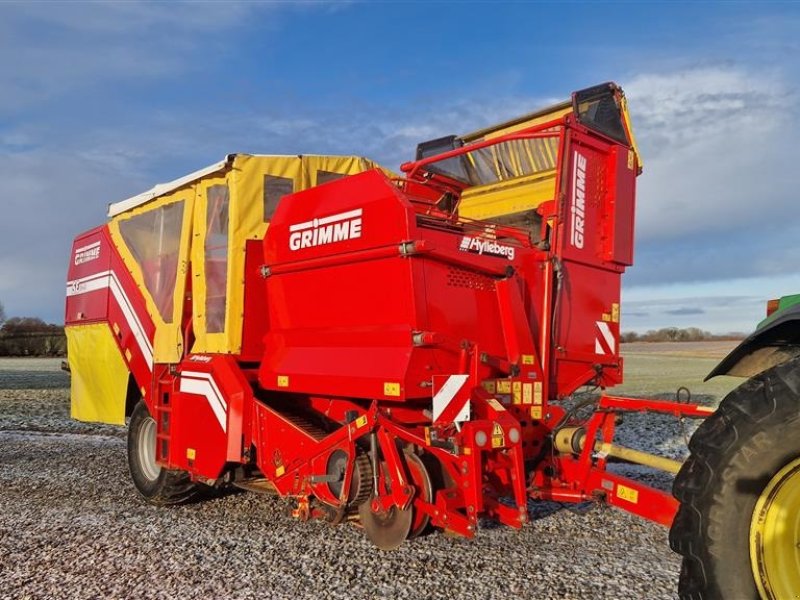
x=734 y=454
x=169 y=487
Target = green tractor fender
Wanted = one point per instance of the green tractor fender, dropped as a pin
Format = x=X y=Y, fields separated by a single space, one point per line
x=775 y=341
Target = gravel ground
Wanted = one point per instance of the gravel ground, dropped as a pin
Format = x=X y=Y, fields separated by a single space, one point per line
x=72 y=526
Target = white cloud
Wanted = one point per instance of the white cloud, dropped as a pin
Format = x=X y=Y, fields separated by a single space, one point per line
x=717 y=148
x=48 y=49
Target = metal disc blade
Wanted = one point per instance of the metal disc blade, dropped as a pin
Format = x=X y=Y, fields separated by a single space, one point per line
x=389 y=531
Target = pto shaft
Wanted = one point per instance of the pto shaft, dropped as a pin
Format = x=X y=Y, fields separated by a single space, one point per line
x=571 y=440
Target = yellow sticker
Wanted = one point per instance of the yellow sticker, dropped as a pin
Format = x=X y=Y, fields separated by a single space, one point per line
x=504 y=387
x=498 y=437
x=606 y=317
x=536 y=412
x=631 y=157
x=191 y=453
x=280 y=471
x=467 y=451
x=629 y=494
x=527 y=393
x=283 y=381
x=391 y=388
x=490 y=386
x=495 y=404
x=527 y=359
x=361 y=421
x=537 y=392
x=517 y=392
x=615 y=312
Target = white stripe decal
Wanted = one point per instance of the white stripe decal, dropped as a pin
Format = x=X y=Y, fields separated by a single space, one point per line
x=108 y=279
x=446 y=394
x=89 y=247
x=326 y=220
x=607 y=335
x=341 y=216
x=210 y=379
x=598 y=347
x=201 y=387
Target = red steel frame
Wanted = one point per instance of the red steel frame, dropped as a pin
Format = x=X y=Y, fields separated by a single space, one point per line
x=521 y=330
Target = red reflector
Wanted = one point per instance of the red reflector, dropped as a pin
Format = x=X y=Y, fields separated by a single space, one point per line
x=772 y=306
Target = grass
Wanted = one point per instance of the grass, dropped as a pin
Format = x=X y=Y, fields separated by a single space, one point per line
x=658 y=370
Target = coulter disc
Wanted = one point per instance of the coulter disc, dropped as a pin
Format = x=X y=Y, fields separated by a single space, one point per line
x=389 y=530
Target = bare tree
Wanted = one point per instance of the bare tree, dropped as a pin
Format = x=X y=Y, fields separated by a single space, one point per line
x=2 y=313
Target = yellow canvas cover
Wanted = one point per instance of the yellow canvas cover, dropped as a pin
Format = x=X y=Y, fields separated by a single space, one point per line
x=99 y=375
x=197 y=227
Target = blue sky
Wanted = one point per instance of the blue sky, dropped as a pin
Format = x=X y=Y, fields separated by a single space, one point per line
x=100 y=101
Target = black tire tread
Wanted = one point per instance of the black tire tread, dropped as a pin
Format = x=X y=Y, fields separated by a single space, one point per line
x=172 y=487
x=740 y=435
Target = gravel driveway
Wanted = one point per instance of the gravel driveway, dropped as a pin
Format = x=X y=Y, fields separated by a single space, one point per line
x=72 y=526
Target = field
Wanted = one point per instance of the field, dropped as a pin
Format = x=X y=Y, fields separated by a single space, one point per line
x=72 y=526
x=658 y=369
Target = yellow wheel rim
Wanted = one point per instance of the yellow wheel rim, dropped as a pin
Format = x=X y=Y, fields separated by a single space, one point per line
x=775 y=536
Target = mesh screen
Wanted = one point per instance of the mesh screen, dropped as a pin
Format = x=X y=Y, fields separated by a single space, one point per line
x=501 y=161
x=275 y=188
x=327 y=176
x=216 y=257
x=153 y=239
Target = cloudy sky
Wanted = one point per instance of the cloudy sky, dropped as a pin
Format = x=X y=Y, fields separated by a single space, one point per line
x=101 y=101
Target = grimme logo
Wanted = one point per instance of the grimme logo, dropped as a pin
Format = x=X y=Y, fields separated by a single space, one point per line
x=326 y=230
x=479 y=246
x=578 y=207
x=87 y=253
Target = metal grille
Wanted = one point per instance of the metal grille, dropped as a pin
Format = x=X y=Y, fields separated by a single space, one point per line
x=467 y=279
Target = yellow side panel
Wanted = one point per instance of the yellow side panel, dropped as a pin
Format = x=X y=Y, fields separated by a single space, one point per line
x=508 y=197
x=168 y=339
x=99 y=378
x=626 y=117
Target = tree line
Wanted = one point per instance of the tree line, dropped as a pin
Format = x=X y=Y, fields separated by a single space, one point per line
x=675 y=334
x=30 y=336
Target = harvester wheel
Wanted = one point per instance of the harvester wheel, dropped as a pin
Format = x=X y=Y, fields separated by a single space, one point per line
x=738 y=526
x=158 y=486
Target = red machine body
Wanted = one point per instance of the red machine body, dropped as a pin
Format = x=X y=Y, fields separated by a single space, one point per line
x=383 y=331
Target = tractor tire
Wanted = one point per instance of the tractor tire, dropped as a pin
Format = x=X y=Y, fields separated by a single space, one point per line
x=156 y=485
x=739 y=457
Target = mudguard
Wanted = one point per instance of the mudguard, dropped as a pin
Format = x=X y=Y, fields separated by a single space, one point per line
x=774 y=342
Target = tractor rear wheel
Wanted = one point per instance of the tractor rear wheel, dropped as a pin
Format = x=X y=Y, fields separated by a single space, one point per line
x=156 y=484
x=738 y=526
